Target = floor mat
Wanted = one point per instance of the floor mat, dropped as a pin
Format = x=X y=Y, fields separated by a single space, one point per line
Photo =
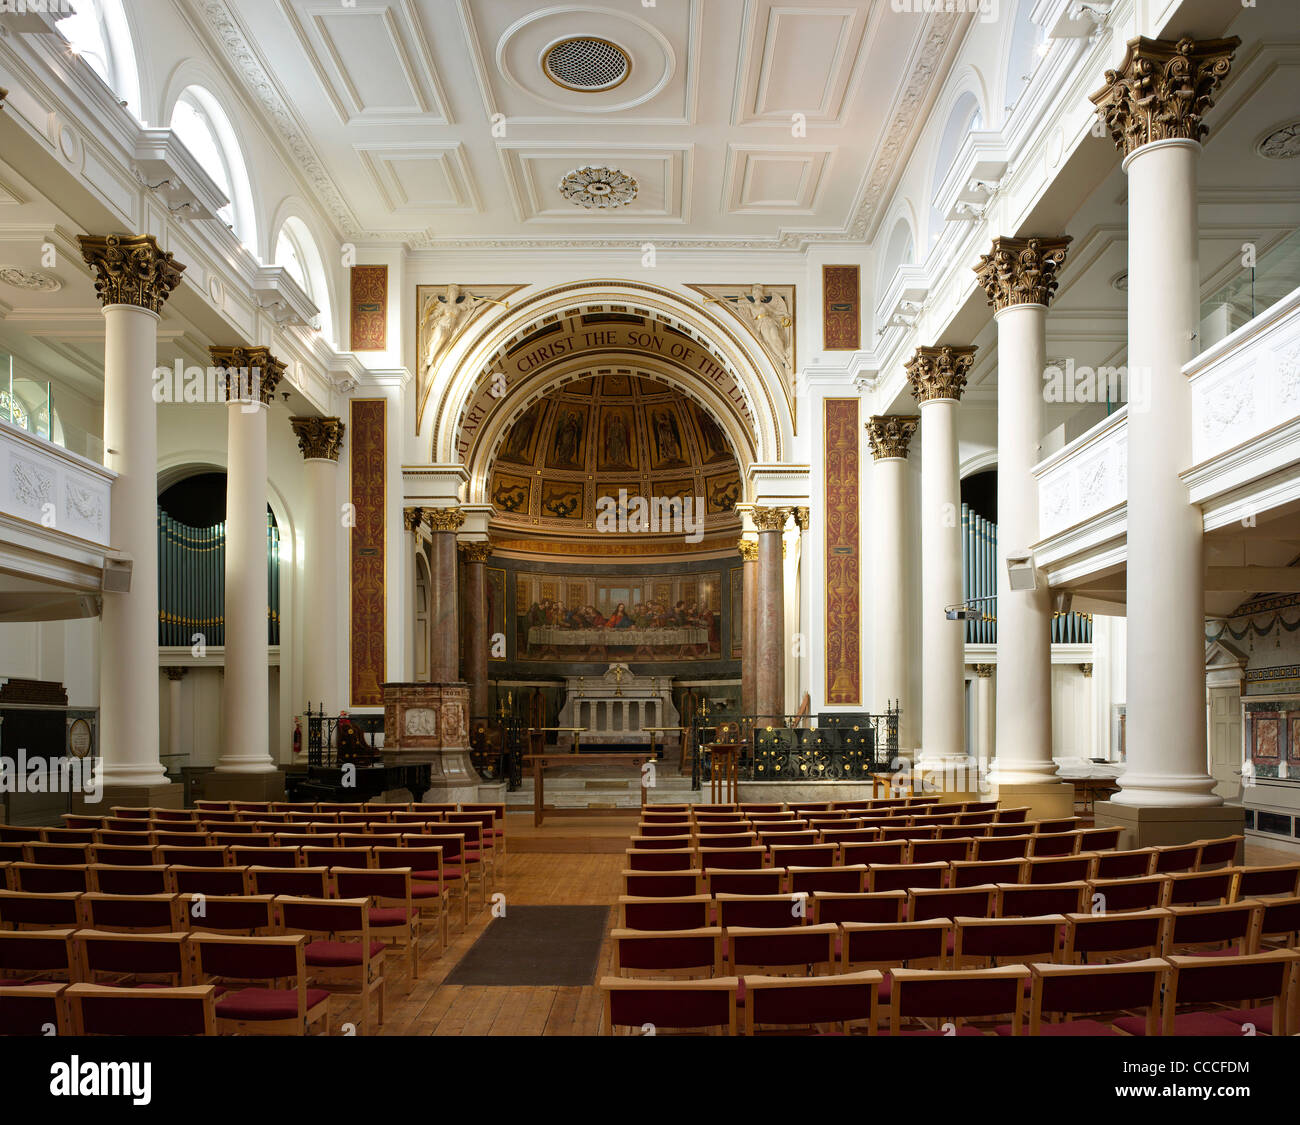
x=536 y=945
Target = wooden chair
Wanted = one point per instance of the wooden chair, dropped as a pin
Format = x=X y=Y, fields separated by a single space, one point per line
x=765 y=881
x=96 y=1009
x=943 y=902
x=1278 y=923
x=1262 y=979
x=292 y=1010
x=393 y=913
x=649 y=1005
x=36 y=955
x=133 y=958
x=798 y=950
x=950 y=997
x=661 y=884
x=760 y=911
x=843 y=1002
x=1196 y=929
x=110 y=879
x=208 y=880
x=851 y=879
x=689 y=913
x=1088 y=990
x=668 y=953
x=834 y=906
x=1219 y=853
x=24 y=910
x=250 y=915
x=343 y=956
x=983 y=942
x=1197 y=888
x=156 y=914
x=1281 y=879
x=906 y=876
x=1023 y=901
x=1114 y=896
x=1137 y=934
x=39 y=878
x=34 y=1009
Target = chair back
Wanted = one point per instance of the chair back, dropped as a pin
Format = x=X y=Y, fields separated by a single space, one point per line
x=690 y=913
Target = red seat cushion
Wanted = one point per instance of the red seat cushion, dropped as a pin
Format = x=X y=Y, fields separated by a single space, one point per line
x=339 y=953
x=267 y=1003
x=960 y=1031
x=1189 y=1023
x=1074 y=1027
x=1262 y=1018
x=426 y=890
x=388 y=915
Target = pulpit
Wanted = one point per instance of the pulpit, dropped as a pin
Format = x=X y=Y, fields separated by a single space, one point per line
x=429 y=723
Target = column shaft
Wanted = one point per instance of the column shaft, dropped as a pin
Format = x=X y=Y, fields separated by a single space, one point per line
x=769 y=680
x=321 y=593
x=890 y=580
x=128 y=691
x=1024 y=617
x=444 y=654
x=749 y=632
x=942 y=641
x=247 y=701
x=477 y=626
x=1166 y=594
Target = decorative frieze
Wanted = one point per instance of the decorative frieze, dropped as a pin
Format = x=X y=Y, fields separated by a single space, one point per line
x=131 y=270
x=1162 y=90
x=444 y=519
x=1021 y=271
x=890 y=435
x=319 y=439
x=248 y=372
x=940 y=372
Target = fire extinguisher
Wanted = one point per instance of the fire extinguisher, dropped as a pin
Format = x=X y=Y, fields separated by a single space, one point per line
x=297 y=736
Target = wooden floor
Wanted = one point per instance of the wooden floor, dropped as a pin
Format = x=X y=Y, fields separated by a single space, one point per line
x=583 y=870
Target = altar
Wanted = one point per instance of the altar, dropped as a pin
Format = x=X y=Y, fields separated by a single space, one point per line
x=616 y=708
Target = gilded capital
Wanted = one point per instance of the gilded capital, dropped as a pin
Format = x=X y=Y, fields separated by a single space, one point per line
x=131 y=270
x=748 y=549
x=3 y=94
x=938 y=373
x=475 y=552
x=1021 y=271
x=412 y=518
x=1086 y=669
x=801 y=517
x=770 y=519
x=984 y=671
x=320 y=439
x=444 y=519
x=248 y=372
x=175 y=672
x=1162 y=90
x=890 y=434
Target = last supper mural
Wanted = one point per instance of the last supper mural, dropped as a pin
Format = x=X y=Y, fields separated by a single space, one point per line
x=587 y=617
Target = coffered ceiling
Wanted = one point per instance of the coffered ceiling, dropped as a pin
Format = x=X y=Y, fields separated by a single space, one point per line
x=451 y=123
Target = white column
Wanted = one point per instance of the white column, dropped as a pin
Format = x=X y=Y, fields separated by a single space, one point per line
x=1024 y=617
x=1166 y=564
x=938 y=377
x=174 y=677
x=246 y=703
x=1158 y=125
x=134 y=279
x=128 y=687
x=320 y=440
x=889 y=436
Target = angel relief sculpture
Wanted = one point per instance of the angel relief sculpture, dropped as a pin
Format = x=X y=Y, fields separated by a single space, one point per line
x=442 y=317
x=770 y=316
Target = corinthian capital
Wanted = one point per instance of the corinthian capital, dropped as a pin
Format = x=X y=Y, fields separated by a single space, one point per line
x=475 y=552
x=771 y=519
x=131 y=270
x=412 y=518
x=1162 y=89
x=320 y=439
x=937 y=373
x=247 y=372
x=444 y=519
x=1021 y=271
x=890 y=434
x=748 y=549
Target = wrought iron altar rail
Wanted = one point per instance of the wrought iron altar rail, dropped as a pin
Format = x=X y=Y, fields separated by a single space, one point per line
x=794 y=748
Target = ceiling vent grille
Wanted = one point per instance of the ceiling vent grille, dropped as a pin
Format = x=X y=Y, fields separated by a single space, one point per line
x=586 y=64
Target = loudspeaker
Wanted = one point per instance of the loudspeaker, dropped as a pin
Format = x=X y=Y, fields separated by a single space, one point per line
x=117 y=576
x=1021 y=573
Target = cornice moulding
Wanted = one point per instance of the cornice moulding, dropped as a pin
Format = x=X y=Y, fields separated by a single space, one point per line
x=163 y=160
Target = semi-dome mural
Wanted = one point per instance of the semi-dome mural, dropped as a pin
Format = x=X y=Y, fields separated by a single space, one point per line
x=613 y=438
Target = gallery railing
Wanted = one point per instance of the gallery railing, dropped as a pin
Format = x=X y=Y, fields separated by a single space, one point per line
x=795 y=748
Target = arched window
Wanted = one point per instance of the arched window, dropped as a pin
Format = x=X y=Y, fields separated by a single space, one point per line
x=964 y=118
x=899 y=250
x=1029 y=45
x=98 y=32
x=203 y=128
x=297 y=252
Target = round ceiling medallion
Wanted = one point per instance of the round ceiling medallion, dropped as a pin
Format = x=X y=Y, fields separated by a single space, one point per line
x=586 y=63
x=1283 y=143
x=27 y=279
x=598 y=187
